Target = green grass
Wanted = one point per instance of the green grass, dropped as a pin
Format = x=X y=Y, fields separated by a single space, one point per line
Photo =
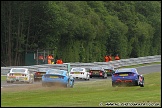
x=3 y=78
x=84 y=94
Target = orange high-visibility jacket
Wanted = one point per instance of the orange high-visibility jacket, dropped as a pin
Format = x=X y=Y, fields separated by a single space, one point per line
x=117 y=58
x=106 y=58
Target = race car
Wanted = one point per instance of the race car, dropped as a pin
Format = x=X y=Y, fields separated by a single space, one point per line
x=127 y=76
x=80 y=73
x=40 y=72
x=55 y=77
x=97 y=72
x=109 y=70
x=20 y=75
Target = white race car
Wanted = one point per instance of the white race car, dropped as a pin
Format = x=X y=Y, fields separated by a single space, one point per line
x=20 y=75
x=80 y=73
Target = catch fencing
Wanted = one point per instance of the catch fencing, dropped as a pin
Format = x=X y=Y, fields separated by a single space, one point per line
x=67 y=66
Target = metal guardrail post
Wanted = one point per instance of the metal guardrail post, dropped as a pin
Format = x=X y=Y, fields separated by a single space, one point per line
x=68 y=67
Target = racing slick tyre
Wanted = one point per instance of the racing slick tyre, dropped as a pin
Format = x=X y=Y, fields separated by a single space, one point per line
x=30 y=81
x=142 y=84
x=70 y=84
x=137 y=83
x=87 y=78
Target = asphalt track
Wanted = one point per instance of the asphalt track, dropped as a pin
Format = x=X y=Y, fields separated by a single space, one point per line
x=141 y=70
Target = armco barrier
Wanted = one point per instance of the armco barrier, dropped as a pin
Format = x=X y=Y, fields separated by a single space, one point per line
x=68 y=66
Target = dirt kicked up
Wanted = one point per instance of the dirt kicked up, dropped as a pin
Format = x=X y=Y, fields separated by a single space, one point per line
x=30 y=87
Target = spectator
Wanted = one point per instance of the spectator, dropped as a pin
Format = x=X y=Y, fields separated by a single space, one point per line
x=59 y=61
x=106 y=58
x=40 y=57
x=117 y=57
x=50 y=58
x=110 y=57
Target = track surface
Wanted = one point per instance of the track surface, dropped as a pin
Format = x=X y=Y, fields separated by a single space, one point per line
x=141 y=70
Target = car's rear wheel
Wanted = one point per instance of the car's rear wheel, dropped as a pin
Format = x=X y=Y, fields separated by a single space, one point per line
x=70 y=84
x=142 y=84
x=31 y=81
x=87 y=77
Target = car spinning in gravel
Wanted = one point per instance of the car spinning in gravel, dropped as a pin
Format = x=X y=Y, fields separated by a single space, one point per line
x=80 y=73
x=40 y=72
x=20 y=75
x=127 y=76
x=97 y=72
x=55 y=77
x=109 y=70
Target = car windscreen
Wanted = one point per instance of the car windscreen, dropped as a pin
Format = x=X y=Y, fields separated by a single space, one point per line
x=124 y=74
x=55 y=72
x=18 y=70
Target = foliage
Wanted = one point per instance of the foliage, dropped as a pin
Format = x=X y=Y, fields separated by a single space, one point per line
x=80 y=31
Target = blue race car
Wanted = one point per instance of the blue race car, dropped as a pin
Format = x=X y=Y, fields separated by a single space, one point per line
x=56 y=76
x=127 y=76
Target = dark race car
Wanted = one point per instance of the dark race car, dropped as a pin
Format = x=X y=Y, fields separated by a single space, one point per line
x=109 y=70
x=97 y=72
x=127 y=76
x=40 y=72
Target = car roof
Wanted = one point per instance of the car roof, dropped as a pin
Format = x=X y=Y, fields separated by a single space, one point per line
x=134 y=70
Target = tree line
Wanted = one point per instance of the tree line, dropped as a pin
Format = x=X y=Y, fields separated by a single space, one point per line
x=80 y=31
